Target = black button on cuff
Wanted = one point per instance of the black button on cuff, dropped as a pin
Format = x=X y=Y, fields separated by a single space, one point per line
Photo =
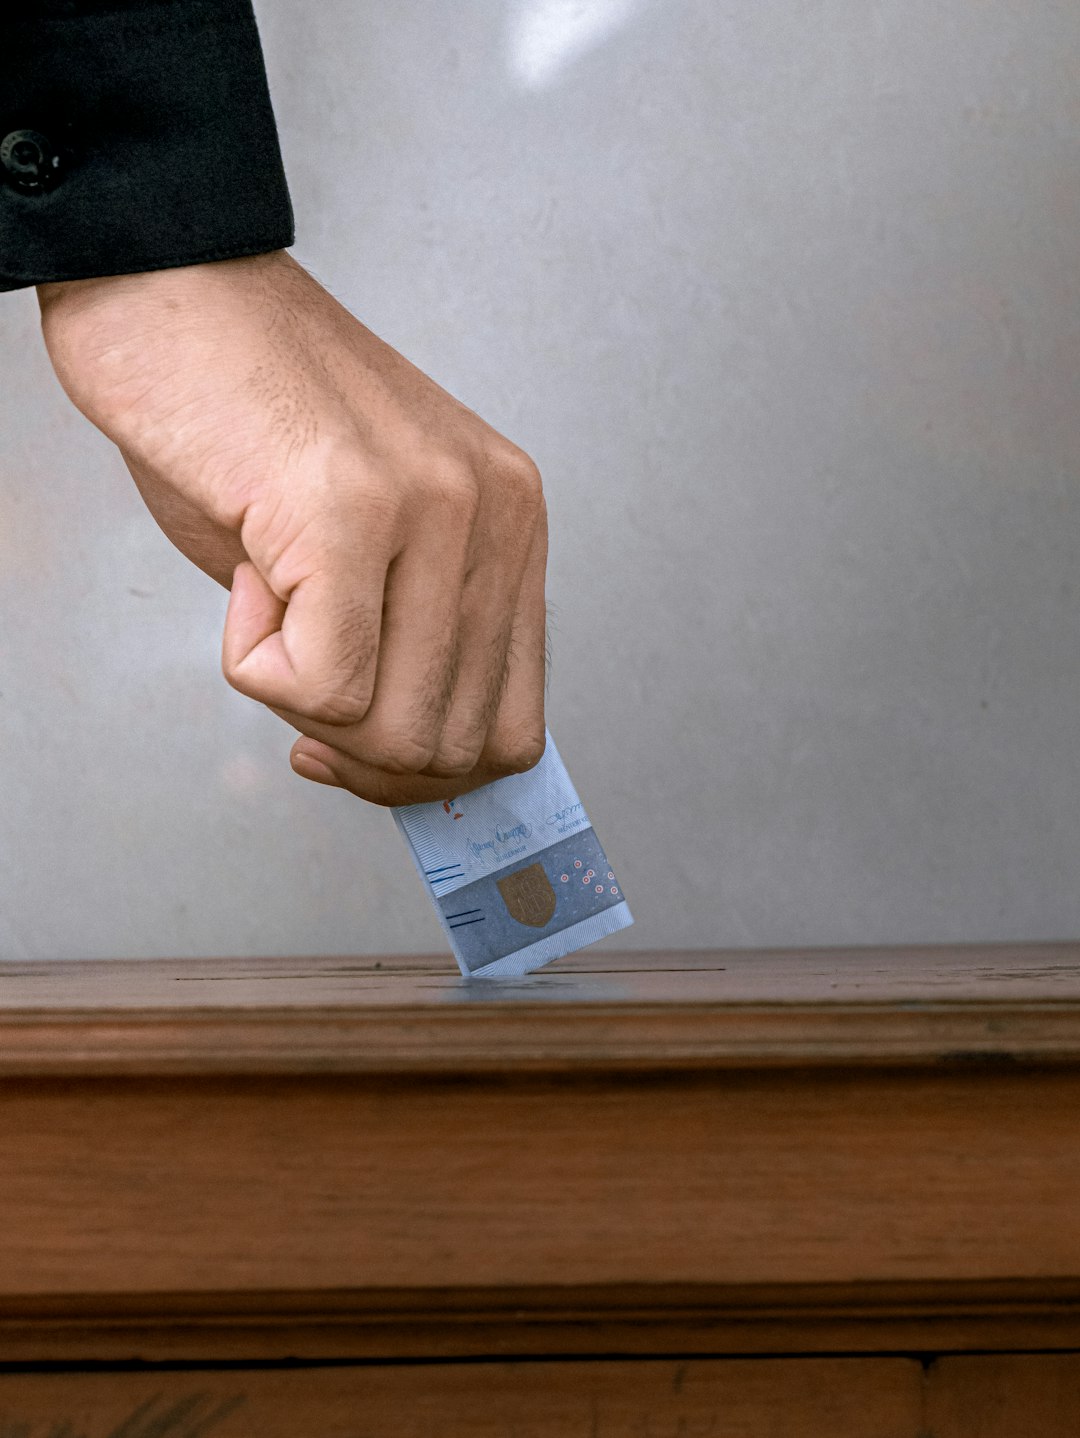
x=30 y=161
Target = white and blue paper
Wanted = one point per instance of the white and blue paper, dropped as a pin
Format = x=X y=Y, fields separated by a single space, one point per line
x=515 y=871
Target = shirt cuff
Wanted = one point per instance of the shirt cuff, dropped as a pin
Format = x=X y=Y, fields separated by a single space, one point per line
x=135 y=136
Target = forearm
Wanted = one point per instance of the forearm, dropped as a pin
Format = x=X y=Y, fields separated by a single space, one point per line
x=135 y=136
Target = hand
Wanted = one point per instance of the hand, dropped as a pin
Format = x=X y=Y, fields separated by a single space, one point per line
x=386 y=549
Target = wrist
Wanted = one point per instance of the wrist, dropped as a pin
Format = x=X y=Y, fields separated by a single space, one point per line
x=175 y=280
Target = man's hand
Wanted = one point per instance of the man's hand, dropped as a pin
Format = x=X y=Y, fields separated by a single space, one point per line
x=386 y=549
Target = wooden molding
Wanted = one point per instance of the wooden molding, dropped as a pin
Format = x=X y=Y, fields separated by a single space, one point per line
x=1006 y=1004
x=713 y=1153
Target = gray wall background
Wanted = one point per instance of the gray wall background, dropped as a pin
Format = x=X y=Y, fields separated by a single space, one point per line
x=784 y=301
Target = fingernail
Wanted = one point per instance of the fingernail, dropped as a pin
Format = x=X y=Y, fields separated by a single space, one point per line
x=314 y=769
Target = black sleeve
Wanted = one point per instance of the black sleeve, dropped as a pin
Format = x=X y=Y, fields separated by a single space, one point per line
x=134 y=135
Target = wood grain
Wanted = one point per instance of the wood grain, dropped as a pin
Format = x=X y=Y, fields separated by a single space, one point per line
x=756 y=1178
x=800 y=1398
x=1008 y=1396
x=653 y=1320
x=705 y=1009
x=752 y=1153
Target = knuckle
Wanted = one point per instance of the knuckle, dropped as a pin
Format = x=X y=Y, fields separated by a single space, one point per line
x=521 y=470
x=398 y=753
x=452 y=761
x=376 y=506
x=452 y=485
x=329 y=706
x=519 y=752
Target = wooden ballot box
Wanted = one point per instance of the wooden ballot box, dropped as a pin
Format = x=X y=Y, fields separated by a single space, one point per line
x=694 y=1194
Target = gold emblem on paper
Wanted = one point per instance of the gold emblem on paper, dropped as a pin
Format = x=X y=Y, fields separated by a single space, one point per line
x=528 y=895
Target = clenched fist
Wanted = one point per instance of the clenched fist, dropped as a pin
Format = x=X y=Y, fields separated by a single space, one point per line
x=386 y=549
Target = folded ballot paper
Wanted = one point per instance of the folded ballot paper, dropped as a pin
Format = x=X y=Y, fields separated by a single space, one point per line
x=515 y=871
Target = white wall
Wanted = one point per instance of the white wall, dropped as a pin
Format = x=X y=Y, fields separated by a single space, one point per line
x=784 y=300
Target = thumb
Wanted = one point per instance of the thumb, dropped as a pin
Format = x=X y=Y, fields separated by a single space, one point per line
x=313 y=653
x=253 y=651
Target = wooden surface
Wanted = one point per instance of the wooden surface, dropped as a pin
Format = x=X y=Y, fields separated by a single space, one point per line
x=1010 y=1396
x=680 y=1009
x=968 y=1396
x=799 y=1398
x=340 y=1184
x=704 y=1154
